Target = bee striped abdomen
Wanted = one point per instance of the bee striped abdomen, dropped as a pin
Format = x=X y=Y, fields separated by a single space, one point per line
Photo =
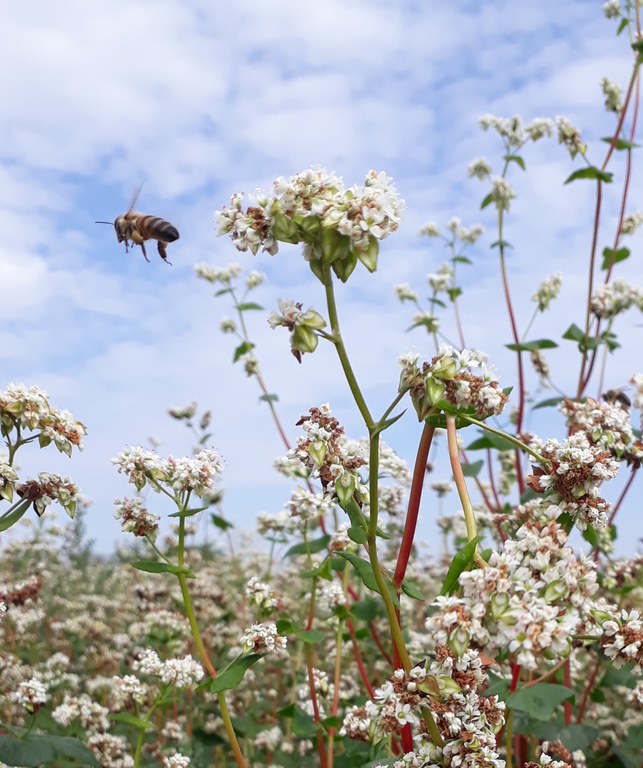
x=154 y=227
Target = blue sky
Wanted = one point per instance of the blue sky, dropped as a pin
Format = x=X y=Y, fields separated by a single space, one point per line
x=198 y=100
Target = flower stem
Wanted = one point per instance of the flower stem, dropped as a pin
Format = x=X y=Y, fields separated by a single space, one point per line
x=460 y=484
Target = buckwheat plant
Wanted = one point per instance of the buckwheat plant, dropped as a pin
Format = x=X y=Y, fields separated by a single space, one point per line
x=525 y=634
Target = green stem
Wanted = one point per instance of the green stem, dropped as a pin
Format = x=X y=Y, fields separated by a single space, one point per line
x=509 y=738
x=511 y=438
x=203 y=654
x=460 y=484
x=341 y=349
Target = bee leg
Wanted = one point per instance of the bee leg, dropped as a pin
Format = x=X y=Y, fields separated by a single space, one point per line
x=163 y=252
x=144 y=251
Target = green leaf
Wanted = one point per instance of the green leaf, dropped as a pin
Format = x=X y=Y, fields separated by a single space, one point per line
x=487 y=201
x=357 y=534
x=492 y=441
x=530 y=346
x=310 y=636
x=10 y=518
x=539 y=701
x=611 y=257
x=591 y=173
x=188 y=512
x=154 y=566
x=516 y=159
x=36 y=750
x=549 y=403
x=501 y=244
x=620 y=143
x=223 y=291
x=453 y=293
x=574 y=736
x=241 y=350
x=461 y=260
x=248 y=305
x=589 y=534
x=135 y=722
x=472 y=469
x=221 y=522
x=460 y=562
x=309 y=547
x=381 y=426
x=363 y=568
x=574 y=333
x=622 y=24
x=269 y=398
x=412 y=590
x=367 y=609
x=233 y=675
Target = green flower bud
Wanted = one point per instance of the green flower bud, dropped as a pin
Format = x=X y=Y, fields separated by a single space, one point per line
x=459 y=642
x=499 y=604
x=303 y=339
x=345 y=486
x=317 y=452
x=555 y=590
x=444 y=368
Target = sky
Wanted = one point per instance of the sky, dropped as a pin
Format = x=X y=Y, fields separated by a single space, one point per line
x=199 y=100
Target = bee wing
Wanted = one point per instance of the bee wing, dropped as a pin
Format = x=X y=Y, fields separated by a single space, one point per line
x=135 y=198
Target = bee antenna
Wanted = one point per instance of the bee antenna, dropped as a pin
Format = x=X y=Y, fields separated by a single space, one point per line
x=104 y=222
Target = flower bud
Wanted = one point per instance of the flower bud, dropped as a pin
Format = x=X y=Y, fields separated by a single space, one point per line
x=303 y=339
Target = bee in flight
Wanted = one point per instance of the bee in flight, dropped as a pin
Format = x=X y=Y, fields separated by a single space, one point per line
x=135 y=228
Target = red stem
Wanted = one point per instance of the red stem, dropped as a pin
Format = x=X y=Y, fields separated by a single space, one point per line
x=413 y=508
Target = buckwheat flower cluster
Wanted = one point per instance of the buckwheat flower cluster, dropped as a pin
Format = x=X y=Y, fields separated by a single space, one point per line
x=330 y=595
x=177 y=760
x=501 y=193
x=136 y=518
x=547 y=291
x=612 y=9
x=631 y=223
x=47 y=489
x=637 y=399
x=263 y=639
x=573 y=478
x=404 y=292
x=324 y=452
x=430 y=230
x=91 y=715
x=310 y=204
x=30 y=694
x=622 y=637
x=28 y=408
x=180 y=673
x=613 y=95
x=127 y=689
x=196 y=474
x=606 y=425
x=609 y=300
x=468 y=722
x=302 y=325
x=263 y=596
x=223 y=275
x=440 y=280
x=304 y=507
x=111 y=751
x=513 y=132
x=479 y=169
x=540 y=366
x=446 y=378
x=529 y=601
x=570 y=137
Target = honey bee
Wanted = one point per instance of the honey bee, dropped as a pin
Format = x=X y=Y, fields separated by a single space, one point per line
x=134 y=228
